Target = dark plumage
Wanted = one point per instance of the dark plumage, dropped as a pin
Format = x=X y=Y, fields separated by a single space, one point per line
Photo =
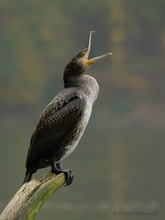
x=63 y=121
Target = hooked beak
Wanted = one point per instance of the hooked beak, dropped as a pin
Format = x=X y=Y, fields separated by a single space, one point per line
x=92 y=61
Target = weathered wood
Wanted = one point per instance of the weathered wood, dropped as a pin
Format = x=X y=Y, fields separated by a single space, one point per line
x=31 y=196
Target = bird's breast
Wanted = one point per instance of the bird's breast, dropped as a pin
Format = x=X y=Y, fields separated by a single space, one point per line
x=78 y=131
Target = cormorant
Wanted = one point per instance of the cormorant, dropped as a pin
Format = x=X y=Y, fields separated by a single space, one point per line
x=63 y=121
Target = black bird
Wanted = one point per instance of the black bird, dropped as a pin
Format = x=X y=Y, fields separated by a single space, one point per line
x=63 y=121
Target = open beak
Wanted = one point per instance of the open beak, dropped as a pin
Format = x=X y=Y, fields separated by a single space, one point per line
x=92 y=61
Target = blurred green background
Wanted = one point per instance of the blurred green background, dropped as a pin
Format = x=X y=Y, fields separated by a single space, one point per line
x=119 y=163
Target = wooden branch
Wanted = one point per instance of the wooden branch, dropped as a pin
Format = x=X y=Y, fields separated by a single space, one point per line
x=31 y=196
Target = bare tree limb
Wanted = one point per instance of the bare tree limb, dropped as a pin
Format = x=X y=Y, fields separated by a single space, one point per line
x=31 y=196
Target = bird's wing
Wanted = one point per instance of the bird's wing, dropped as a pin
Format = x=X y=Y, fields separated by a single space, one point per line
x=58 y=118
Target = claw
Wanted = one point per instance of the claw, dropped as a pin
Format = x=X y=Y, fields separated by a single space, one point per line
x=57 y=168
x=69 y=176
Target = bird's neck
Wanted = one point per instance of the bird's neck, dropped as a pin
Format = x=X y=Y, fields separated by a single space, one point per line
x=72 y=76
x=71 y=82
x=85 y=84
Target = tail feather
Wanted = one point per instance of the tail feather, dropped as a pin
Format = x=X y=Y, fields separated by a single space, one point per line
x=28 y=177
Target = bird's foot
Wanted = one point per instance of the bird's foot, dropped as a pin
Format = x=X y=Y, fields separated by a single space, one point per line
x=67 y=172
x=69 y=176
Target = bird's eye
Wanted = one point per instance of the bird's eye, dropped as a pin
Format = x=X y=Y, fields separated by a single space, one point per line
x=81 y=53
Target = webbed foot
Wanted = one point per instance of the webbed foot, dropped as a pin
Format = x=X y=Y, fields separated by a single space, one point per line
x=56 y=168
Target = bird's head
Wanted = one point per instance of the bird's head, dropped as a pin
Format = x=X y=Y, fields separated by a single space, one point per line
x=81 y=62
x=81 y=59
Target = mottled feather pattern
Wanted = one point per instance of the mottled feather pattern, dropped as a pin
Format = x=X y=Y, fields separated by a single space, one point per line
x=53 y=126
x=58 y=102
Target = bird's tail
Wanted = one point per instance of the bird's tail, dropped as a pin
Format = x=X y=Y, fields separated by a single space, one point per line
x=28 y=176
